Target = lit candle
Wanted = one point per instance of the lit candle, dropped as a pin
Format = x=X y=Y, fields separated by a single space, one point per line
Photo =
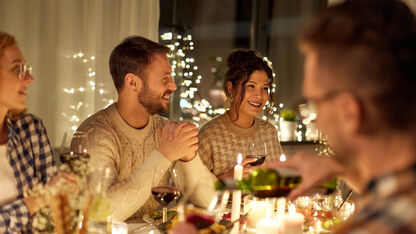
x=282 y=158
x=292 y=222
x=281 y=206
x=236 y=204
x=118 y=227
x=267 y=225
x=258 y=210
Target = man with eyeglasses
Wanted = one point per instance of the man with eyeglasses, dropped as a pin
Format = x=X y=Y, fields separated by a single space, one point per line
x=360 y=88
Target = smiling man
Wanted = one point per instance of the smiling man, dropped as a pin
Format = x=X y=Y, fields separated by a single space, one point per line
x=136 y=143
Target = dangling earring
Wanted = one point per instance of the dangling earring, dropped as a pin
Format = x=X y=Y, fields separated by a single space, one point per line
x=228 y=102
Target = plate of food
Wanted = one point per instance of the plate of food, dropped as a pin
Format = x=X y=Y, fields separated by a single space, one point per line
x=157 y=216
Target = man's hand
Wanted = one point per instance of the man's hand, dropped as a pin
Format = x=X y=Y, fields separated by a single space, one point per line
x=313 y=169
x=178 y=141
x=171 y=129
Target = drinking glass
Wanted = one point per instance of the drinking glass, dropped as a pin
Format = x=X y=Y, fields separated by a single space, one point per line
x=165 y=188
x=203 y=218
x=74 y=151
x=257 y=151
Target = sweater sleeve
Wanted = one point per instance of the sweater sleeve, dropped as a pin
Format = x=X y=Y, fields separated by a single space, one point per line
x=199 y=180
x=129 y=195
x=205 y=150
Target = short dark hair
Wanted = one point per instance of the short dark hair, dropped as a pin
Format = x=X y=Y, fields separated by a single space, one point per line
x=241 y=64
x=133 y=55
x=371 y=44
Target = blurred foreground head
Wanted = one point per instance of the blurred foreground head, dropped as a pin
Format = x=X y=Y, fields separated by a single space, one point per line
x=369 y=49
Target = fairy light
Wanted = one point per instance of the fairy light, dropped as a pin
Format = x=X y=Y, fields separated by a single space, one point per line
x=78 y=111
x=185 y=68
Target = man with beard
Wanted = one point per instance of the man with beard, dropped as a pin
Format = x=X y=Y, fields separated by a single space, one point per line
x=360 y=85
x=133 y=141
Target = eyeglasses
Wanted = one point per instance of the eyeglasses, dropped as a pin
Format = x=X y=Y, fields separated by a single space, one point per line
x=24 y=70
x=307 y=109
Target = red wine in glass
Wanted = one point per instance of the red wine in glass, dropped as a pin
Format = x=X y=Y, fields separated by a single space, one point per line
x=258 y=162
x=165 y=194
x=200 y=221
x=69 y=157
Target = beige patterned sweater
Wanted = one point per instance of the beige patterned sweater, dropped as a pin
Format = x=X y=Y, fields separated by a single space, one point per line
x=133 y=159
x=220 y=141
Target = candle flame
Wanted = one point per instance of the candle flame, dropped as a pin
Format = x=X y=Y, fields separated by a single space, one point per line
x=282 y=158
x=239 y=159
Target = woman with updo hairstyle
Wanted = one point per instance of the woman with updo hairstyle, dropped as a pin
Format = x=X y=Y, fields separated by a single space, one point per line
x=247 y=86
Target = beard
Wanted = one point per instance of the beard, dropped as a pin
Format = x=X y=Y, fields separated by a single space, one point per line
x=151 y=101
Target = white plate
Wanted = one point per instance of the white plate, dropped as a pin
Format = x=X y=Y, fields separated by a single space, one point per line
x=147 y=219
x=134 y=228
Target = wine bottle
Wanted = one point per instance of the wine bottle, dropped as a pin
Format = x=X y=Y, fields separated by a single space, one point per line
x=264 y=183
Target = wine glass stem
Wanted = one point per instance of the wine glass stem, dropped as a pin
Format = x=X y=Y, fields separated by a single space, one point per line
x=165 y=214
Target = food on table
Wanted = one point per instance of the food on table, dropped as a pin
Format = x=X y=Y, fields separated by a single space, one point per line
x=156 y=215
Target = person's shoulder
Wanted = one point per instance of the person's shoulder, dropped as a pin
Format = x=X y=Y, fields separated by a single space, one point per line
x=265 y=124
x=27 y=125
x=25 y=120
x=159 y=121
x=97 y=120
x=211 y=125
x=28 y=117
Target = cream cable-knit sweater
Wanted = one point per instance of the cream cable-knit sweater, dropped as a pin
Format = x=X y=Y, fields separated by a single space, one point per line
x=220 y=141
x=133 y=159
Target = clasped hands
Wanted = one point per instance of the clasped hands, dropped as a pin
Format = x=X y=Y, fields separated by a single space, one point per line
x=178 y=141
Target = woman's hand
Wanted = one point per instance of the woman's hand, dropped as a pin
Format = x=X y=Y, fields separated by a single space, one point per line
x=35 y=202
x=246 y=169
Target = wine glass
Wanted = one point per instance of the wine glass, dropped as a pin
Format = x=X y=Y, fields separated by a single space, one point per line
x=203 y=218
x=257 y=151
x=165 y=188
x=74 y=151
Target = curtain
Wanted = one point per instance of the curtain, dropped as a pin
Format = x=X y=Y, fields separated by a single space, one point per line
x=68 y=43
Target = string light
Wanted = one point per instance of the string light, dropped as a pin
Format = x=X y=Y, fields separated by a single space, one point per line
x=77 y=111
x=193 y=106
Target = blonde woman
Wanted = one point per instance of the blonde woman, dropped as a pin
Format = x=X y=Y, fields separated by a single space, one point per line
x=25 y=152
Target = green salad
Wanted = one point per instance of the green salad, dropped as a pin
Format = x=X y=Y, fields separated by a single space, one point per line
x=158 y=214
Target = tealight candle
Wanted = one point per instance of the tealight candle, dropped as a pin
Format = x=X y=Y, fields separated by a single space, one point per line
x=292 y=222
x=257 y=211
x=236 y=203
x=267 y=225
x=118 y=227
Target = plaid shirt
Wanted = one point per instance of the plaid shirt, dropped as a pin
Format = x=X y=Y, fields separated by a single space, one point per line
x=388 y=206
x=30 y=156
